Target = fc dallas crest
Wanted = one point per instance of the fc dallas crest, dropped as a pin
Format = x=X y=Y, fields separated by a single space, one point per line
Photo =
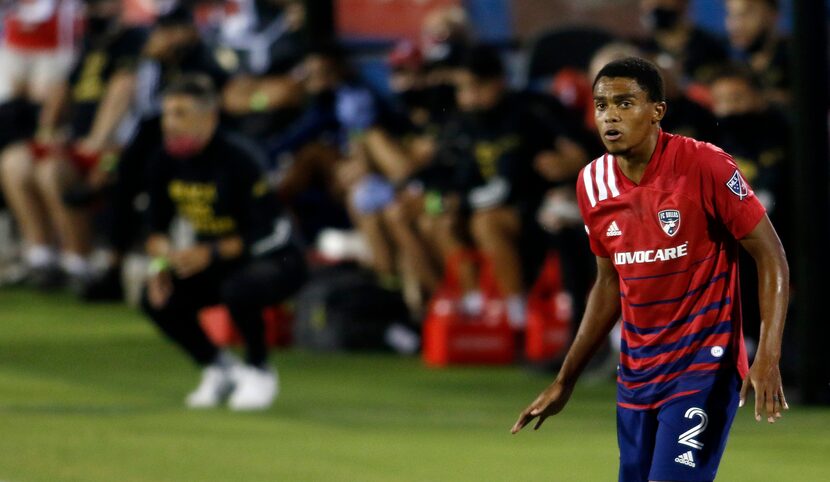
x=669 y=221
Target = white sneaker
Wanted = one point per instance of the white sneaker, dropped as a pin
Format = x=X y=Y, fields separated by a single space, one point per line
x=255 y=388
x=216 y=383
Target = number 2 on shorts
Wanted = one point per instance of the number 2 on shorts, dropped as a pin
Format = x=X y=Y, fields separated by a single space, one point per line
x=688 y=437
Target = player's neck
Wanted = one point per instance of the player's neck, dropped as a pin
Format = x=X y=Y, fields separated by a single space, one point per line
x=634 y=162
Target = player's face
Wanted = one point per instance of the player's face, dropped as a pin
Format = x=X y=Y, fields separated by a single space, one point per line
x=624 y=115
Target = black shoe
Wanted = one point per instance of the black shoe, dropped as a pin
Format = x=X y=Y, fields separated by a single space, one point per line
x=106 y=287
x=46 y=278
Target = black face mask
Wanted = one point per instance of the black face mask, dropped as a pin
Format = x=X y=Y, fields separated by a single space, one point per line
x=98 y=26
x=744 y=127
x=758 y=43
x=439 y=97
x=413 y=98
x=664 y=18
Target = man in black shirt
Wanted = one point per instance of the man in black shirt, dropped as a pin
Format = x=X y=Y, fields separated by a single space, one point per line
x=244 y=254
x=491 y=154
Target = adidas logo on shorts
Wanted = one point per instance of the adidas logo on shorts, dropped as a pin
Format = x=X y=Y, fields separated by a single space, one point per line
x=685 y=459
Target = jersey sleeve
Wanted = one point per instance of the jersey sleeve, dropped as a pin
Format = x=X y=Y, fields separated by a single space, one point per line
x=726 y=195
x=582 y=199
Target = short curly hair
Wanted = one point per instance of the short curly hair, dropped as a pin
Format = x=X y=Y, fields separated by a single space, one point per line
x=646 y=74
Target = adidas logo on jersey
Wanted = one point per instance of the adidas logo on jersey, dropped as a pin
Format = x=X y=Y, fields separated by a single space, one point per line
x=613 y=230
x=686 y=459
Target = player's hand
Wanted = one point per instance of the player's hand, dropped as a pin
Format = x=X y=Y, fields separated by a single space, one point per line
x=765 y=379
x=159 y=289
x=191 y=261
x=549 y=402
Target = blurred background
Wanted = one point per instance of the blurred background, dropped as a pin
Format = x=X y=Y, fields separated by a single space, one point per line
x=425 y=153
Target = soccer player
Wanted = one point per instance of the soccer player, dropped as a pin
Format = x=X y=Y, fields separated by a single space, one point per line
x=665 y=215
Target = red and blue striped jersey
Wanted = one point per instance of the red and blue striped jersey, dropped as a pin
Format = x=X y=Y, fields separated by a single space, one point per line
x=673 y=241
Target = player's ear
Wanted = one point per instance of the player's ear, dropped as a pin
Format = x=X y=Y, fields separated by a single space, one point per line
x=659 y=112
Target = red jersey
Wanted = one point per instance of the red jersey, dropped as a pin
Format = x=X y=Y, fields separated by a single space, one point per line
x=41 y=25
x=673 y=241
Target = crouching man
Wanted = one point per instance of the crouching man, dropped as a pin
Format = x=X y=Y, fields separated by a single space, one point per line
x=244 y=255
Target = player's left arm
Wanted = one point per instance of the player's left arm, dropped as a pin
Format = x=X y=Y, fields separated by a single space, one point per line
x=765 y=247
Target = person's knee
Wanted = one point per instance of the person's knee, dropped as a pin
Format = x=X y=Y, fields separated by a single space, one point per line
x=16 y=165
x=484 y=227
x=494 y=225
x=394 y=214
x=51 y=176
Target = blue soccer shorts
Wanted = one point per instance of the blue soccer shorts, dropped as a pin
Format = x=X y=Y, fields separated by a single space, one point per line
x=682 y=440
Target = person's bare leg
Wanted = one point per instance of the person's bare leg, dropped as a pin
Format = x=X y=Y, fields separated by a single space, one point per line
x=447 y=233
x=53 y=176
x=311 y=163
x=383 y=258
x=17 y=172
x=413 y=250
x=496 y=232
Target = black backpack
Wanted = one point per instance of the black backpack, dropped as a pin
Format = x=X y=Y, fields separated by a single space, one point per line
x=343 y=308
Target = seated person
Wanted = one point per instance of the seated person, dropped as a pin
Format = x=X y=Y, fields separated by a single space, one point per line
x=754 y=38
x=245 y=255
x=338 y=111
x=490 y=153
x=425 y=103
x=673 y=34
x=381 y=161
x=263 y=43
x=36 y=54
x=36 y=175
x=756 y=134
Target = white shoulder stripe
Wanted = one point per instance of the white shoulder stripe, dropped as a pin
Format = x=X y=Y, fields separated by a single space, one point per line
x=612 y=178
x=589 y=185
x=600 y=176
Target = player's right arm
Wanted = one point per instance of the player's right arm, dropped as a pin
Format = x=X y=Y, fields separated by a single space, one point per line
x=601 y=313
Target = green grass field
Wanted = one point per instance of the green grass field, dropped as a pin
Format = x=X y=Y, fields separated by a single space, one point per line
x=91 y=393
